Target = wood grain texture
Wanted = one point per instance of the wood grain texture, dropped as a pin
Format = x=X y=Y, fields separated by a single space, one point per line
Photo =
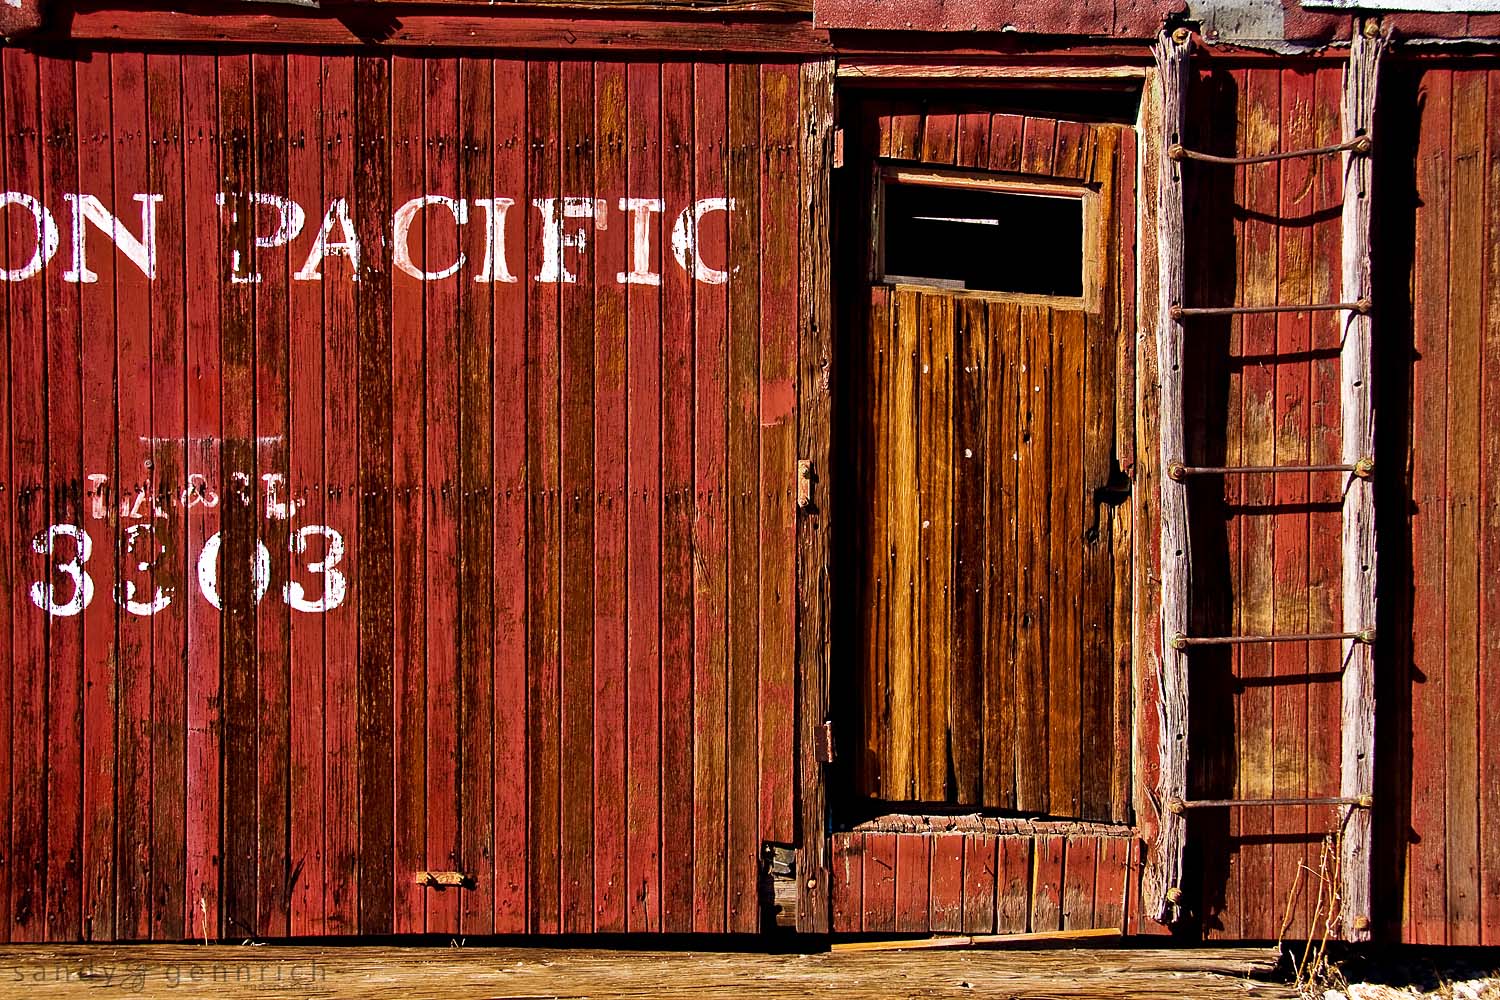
x=1357 y=422
x=986 y=444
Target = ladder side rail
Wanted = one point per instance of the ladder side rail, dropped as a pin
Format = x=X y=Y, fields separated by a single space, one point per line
x=1162 y=890
x=1357 y=412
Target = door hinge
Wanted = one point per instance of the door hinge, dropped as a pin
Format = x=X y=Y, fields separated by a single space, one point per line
x=804 y=483
x=838 y=148
x=823 y=743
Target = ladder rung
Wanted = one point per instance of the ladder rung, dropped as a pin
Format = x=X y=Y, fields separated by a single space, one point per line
x=1364 y=469
x=1359 y=144
x=1362 y=801
x=1180 y=313
x=1366 y=636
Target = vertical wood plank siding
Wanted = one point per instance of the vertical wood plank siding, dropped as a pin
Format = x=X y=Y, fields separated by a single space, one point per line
x=563 y=662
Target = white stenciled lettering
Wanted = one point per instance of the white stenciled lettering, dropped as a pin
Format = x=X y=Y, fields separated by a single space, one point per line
x=401 y=235
x=685 y=239
x=335 y=586
x=125 y=590
x=208 y=570
x=558 y=237
x=348 y=245
x=641 y=210
x=289 y=221
x=81 y=586
x=140 y=252
x=47 y=236
x=495 y=267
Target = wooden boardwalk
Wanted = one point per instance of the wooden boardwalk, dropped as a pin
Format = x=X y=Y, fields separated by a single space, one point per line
x=396 y=973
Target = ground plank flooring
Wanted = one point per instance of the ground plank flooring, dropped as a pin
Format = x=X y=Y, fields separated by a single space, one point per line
x=398 y=973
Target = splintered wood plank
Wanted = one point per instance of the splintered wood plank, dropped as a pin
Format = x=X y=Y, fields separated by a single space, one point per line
x=913 y=881
x=677 y=766
x=1047 y=882
x=1255 y=434
x=441 y=496
x=939 y=138
x=1005 y=141
x=1079 y=882
x=1489 y=543
x=137 y=540
x=477 y=579
x=204 y=475
x=1038 y=145
x=743 y=497
x=1074 y=155
x=981 y=869
x=410 y=555
x=609 y=252
x=947 y=893
x=814 y=420
x=778 y=451
x=1357 y=422
x=341 y=470
x=1032 y=616
x=935 y=544
x=710 y=523
x=1427 y=905
x=543 y=530
x=645 y=569
x=1064 y=529
x=848 y=881
x=879 y=883
x=305 y=489
x=1127 y=456
x=169 y=571
x=1461 y=573
x=576 y=758
x=1325 y=558
x=1112 y=882
x=237 y=342
x=515 y=492
x=1290 y=493
x=1098 y=726
x=81 y=364
x=27 y=515
x=1162 y=886
x=899 y=775
x=372 y=204
x=973 y=143
x=905 y=129
x=970 y=465
x=1013 y=885
x=858 y=974
x=1002 y=693
x=872 y=764
x=270 y=457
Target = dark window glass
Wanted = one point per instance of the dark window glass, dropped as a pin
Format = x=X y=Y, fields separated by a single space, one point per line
x=977 y=239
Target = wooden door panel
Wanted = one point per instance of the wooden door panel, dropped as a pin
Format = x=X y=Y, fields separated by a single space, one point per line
x=988 y=554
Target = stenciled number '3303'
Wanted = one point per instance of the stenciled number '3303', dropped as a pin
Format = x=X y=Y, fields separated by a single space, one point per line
x=68 y=547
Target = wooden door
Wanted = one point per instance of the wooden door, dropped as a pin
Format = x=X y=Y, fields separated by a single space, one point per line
x=993 y=605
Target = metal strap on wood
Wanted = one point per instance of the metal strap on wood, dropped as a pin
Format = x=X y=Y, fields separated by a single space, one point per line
x=1362 y=469
x=1360 y=145
x=1180 y=313
x=1187 y=641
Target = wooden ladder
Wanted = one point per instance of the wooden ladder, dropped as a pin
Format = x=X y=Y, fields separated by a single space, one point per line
x=1162 y=893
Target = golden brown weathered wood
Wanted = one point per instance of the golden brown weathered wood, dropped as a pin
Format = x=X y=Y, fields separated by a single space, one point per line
x=901 y=767
x=1358 y=421
x=814 y=421
x=1162 y=890
x=230 y=972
